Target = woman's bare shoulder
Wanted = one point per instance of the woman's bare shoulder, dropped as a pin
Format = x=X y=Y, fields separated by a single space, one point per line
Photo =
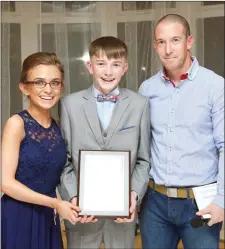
x=14 y=126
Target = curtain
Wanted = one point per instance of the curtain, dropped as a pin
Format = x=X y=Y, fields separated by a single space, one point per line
x=67 y=28
x=5 y=74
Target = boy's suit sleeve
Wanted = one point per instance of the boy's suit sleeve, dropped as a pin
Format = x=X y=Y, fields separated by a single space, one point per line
x=68 y=184
x=140 y=176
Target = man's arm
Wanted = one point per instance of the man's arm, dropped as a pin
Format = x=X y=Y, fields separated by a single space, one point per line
x=140 y=176
x=216 y=208
x=218 y=134
x=68 y=183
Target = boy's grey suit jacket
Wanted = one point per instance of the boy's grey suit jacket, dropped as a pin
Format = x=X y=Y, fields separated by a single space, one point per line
x=129 y=129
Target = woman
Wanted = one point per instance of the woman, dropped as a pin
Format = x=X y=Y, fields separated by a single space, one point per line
x=33 y=157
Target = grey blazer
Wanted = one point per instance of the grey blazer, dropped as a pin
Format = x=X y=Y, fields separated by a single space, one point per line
x=129 y=129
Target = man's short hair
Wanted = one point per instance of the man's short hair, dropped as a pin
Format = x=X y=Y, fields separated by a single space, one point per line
x=111 y=46
x=176 y=18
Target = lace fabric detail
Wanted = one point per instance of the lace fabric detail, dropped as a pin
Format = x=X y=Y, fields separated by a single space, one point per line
x=39 y=133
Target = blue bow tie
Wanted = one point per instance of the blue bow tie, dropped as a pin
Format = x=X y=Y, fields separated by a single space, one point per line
x=102 y=98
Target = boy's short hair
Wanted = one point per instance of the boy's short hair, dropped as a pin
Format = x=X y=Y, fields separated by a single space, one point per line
x=111 y=46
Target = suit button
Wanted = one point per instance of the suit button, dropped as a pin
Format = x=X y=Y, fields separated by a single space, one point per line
x=104 y=134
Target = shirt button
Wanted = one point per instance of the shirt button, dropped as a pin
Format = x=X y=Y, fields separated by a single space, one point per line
x=170 y=129
x=172 y=111
x=104 y=134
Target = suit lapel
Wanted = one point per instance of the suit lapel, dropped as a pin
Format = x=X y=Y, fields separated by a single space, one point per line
x=91 y=114
x=121 y=106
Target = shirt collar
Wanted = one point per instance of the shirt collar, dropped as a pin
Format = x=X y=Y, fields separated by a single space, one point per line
x=116 y=91
x=190 y=74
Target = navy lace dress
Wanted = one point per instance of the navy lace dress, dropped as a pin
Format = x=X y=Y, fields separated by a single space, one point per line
x=42 y=157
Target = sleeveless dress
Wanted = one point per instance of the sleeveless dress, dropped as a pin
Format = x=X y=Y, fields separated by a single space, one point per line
x=42 y=157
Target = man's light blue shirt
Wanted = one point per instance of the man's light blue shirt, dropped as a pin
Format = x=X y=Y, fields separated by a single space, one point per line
x=187 y=122
x=105 y=109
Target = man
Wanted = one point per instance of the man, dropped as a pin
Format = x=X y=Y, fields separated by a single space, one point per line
x=91 y=121
x=187 y=147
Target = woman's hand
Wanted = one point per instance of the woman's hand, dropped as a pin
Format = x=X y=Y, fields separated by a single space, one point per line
x=68 y=211
x=85 y=218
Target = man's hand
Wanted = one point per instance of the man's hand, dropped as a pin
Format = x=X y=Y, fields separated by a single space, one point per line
x=216 y=212
x=85 y=218
x=132 y=209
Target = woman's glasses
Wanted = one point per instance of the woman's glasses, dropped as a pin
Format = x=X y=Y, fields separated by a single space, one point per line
x=40 y=84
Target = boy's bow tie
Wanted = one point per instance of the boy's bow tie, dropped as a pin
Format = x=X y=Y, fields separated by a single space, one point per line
x=102 y=98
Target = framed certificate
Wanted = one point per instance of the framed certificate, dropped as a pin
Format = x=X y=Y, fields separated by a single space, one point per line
x=104 y=183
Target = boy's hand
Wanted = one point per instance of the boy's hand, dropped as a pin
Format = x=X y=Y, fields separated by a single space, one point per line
x=85 y=218
x=132 y=210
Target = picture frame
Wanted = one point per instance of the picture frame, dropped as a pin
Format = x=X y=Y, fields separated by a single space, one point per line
x=104 y=183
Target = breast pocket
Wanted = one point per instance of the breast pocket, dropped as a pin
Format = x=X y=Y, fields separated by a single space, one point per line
x=126 y=129
x=126 y=138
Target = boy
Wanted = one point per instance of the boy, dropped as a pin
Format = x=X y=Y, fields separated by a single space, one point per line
x=105 y=117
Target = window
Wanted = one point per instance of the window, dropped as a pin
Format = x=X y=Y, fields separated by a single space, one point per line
x=139 y=52
x=76 y=6
x=11 y=98
x=75 y=46
x=144 y=5
x=70 y=6
x=208 y=3
x=72 y=51
x=8 y=6
x=79 y=38
x=214 y=44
